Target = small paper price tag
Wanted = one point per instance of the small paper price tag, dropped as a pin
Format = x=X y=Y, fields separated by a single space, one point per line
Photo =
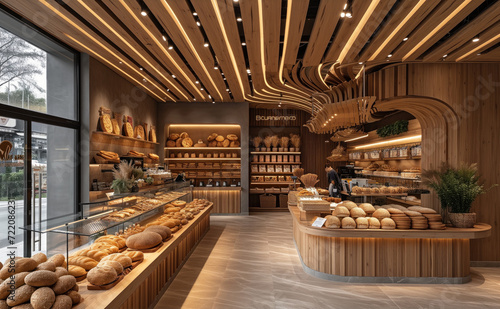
x=319 y=222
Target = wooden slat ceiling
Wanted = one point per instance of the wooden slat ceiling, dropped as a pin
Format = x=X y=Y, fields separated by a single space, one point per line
x=300 y=52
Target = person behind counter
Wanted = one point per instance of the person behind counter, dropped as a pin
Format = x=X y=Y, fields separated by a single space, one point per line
x=335 y=185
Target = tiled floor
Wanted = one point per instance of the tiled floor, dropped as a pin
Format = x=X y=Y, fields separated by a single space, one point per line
x=251 y=262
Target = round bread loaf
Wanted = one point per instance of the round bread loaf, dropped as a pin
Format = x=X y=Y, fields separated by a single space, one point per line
x=173 y=136
x=367 y=207
x=381 y=213
x=179 y=203
x=41 y=278
x=82 y=261
x=58 y=259
x=3 y=304
x=40 y=257
x=184 y=135
x=76 y=271
x=134 y=255
x=341 y=211
x=102 y=275
x=373 y=223
x=348 y=223
x=18 y=266
x=332 y=222
x=123 y=259
x=76 y=298
x=170 y=143
x=115 y=264
x=394 y=211
x=5 y=287
x=164 y=231
x=234 y=144
x=212 y=137
x=388 y=224
x=64 y=284
x=43 y=298
x=348 y=204
x=21 y=295
x=219 y=138
x=411 y=213
x=226 y=143
x=187 y=142
x=357 y=212
x=62 y=302
x=144 y=240
x=362 y=223
x=46 y=266
x=23 y=306
x=232 y=137
x=61 y=271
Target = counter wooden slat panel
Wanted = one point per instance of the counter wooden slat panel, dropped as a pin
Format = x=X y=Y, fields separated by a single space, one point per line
x=140 y=288
x=226 y=200
x=388 y=254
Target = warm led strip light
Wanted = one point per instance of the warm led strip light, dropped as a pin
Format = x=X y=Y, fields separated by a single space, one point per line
x=112 y=64
x=159 y=44
x=358 y=29
x=230 y=50
x=415 y=138
x=131 y=47
x=186 y=37
x=356 y=138
x=396 y=30
x=479 y=47
x=436 y=29
x=53 y=9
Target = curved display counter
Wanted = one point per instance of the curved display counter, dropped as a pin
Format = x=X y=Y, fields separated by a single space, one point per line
x=386 y=256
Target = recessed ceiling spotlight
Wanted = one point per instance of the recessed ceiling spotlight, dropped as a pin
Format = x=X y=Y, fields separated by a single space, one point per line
x=216 y=66
x=224 y=78
x=173 y=76
x=120 y=62
x=213 y=101
x=198 y=23
x=239 y=19
x=405 y=39
x=195 y=14
x=360 y=62
x=348 y=14
x=168 y=90
x=475 y=39
x=227 y=89
x=444 y=56
x=144 y=9
x=194 y=99
x=243 y=44
x=248 y=71
x=235 y=0
x=202 y=89
x=197 y=82
x=479 y=54
x=342 y=15
x=141 y=69
x=170 y=46
x=206 y=44
x=144 y=80
x=222 y=73
x=389 y=56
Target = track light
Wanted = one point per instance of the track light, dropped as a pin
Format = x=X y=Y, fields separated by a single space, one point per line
x=202 y=89
x=206 y=44
x=347 y=11
x=248 y=71
x=164 y=38
x=475 y=39
x=198 y=23
x=342 y=15
x=213 y=101
x=227 y=89
x=194 y=99
x=216 y=65
x=141 y=69
x=144 y=9
x=348 y=14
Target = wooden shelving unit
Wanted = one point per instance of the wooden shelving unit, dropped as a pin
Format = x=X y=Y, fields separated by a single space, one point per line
x=109 y=135
x=275 y=152
x=202 y=159
x=279 y=163
x=387 y=159
x=201 y=148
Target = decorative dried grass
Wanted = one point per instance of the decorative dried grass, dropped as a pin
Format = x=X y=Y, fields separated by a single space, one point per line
x=124 y=171
x=267 y=141
x=295 y=139
x=275 y=141
x=309 y=180
x=298 y=172
x=256 y=141
x=284 y=141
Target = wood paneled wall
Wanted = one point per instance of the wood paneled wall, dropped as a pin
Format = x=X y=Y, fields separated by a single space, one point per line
x=458 y=108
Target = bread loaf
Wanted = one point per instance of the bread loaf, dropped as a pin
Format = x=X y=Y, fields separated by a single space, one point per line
x=93 y=254
x=234 y=144
x=41 y=278
x=164 y=231
x=367 y=207
x=220 y=138
x=58 y=259
x=39 y=257
x=20 y=265
x=341 y=211
x=381 y=213
x=3 y=304
x=170 y=143
x=373 y=223
x=357 y=212
x=123 y=259
x=22 y=295
x=144 y=240
x=232 y=137
x=82 y=261
x=76 y=298
x=226 y=143
x=76 y=271
x=64 y=284
x=361 y=223
x=332 y=222
x=115 y=264
x=212 y=137
x=46 y=266
x=43 y=298
x=60 y=271
x=108 y=241
x=104 y=247
x=348 y=204
x=102 y=275
x=134 y=255
x=62 y=302
x=348 y=223
x=388 y=224
x=5 y=287
x=187 y=142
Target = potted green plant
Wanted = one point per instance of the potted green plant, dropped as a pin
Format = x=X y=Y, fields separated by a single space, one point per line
x=123 y=179
x=456 y=188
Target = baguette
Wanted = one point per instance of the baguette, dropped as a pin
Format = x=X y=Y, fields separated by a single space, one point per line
x=83 y=261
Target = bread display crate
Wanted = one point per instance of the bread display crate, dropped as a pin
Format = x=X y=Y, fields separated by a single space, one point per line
x=267 y=201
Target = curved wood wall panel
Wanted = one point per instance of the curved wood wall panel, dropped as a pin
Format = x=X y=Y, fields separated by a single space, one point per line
x=457 y=107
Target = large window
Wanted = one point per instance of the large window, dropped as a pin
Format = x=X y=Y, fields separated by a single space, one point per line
x=39 y=134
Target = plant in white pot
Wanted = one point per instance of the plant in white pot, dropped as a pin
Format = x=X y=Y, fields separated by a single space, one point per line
x=456 y=188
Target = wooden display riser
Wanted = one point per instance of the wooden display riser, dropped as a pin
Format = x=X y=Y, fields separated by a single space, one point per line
x=414 y=256
x=141 y=287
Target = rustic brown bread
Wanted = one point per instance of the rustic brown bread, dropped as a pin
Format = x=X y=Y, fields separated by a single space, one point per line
x=82 y=261
x=164 y=231
x=43 y=298
x=41 y=278
x=20 y=265
x=120 y=241
x=3 y=304
x=144 y=240
x=61 y=271
x=58 y=259
x=23 y=306
x=62 y=302
x=123 y=259
x=115 y=264
x=64 y=284
x=46 y=266
x=39 y=257
x=22 y=295
x=102 y=275
x=76 y=298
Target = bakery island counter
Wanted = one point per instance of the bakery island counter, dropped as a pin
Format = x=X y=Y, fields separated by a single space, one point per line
x=141 y=287
x=386 y=256
x=227 y=200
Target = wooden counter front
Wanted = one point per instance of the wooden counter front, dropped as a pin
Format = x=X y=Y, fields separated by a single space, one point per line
x=227 y=200
x=416 y=256
x=141 y=287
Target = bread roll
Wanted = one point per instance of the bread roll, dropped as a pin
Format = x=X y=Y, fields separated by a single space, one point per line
x=20 y=265
x=341 y=211
x=395 y=211
x=357 y=212
x=367 y=207
x=46 y=266
x=62 y=302
x=102 y=275
x=144 y=240
x=43 y=298
x=381 y=213
x=41 y=278
x=234 y=144
x=170 y=143
x=178 y=142
x=332 y=222
x=187 y=142
x=179 y=203
x=76 y=298
x=388 y=224
x=76 y=271
x=169 y=223
x=5 y=287
x=123 y=259
x=93 y=254
x=232 y=137
x=164 y=231
x=22 y=295
x=220 y=138
x=104 y=247
x=226 y=143
x=108 y=241
x=3 y=304
x=211 y=144
x=348 y=204
x=64 y=284
x=58 y=259
x=362 y=223
x=61 y=271
x=134 y=255
x=82 y=261
x=39 y=257
x=212 y=137
x=115 y=264
x=373 y=223
x=173 y=136
x=23 y=306
x=348 y=223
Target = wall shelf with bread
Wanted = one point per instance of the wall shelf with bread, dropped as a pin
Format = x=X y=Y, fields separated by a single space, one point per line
x=210 y=156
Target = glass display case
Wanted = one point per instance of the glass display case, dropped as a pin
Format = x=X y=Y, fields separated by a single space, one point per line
x=109 y=216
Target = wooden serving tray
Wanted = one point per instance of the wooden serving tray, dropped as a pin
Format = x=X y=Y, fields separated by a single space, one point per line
x=81 y=278
x=134 y=264
x=107 y=286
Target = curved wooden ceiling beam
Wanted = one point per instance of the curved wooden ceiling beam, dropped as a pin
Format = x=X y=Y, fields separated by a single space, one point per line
x=469 y=50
